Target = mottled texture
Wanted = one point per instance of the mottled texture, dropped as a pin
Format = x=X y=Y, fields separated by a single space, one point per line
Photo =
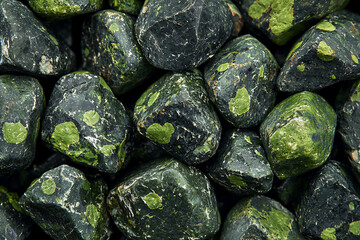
x=165 y=199
x=127 y=6
x=330 y=207
x=240 y=164
x=260 y=218
x=21 y=105
x=27 y=46
x=281 y=20
x=241 y=81
x=327 y=53
x=66 y=205
x=298 y=134
x=87 y=123
x=176 y=113
x=109 y=49
x=182 y=34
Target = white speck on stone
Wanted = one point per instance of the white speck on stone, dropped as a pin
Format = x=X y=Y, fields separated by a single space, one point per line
x=46 y=66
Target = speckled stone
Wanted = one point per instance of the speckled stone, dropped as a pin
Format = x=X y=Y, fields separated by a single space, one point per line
x=27 y=46
x=182 y=34
x=87 y=123
x=298 y=134
x=241 y=81
x=55 y=9
x=260 y=217
x=327 y=53
x=165 y=199
x=330 y=206
x=109 y=49
x=21 y=104
x=66 y=205
x=240 y=164
x=14 y=224
x=132 y=7
x=281 y=20
x=176 y=113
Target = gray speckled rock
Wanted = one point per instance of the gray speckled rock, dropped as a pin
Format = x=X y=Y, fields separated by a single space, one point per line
x=327 y=53
x=109 y=49
x=87 y=123
x=176 y=113
x=240 y=165
x=182 y=34
x=66 y=205
x=241 y=81
x=27 y=46
x=21 y=104
x=165 y=199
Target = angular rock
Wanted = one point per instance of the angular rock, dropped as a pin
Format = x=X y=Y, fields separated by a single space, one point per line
x=326 y=54
x=87 y=123
x=281 y=20
x=109 y=49
x=132 y=7
x=298 y=134
x=260 y=217
x=165 y=199
x=240 y=165
x=241 y=81
x=14 y=224
x=21 y=104
x=181 y=35
x=176 y=113
x=330 y=206
x=53 y=9
x=66 y=205
x=27 y=46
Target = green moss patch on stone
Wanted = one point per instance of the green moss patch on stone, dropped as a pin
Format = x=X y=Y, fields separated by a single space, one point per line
x=301 y=67
x=48 y=186
x=240 y=104
x=64 y=135
x=354 y=227
x=160 y=134
x=326 y=26
x=121 y=152
x=293 y=49
x=92 y=215
x=107 y=150
x=152 y=99
x=13 y=199
x=207 y=147
x=237 y=180
x=153 y=201
x=325 y=52
x=355 y=59
x=223 y=67
x=14 y=132
x=91 y=117
x=328 y=234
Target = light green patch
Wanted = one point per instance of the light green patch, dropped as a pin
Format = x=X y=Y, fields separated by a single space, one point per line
x=325 y=52
x=107 y=150
x=301 y=67
x=33 y=182
x=328 y=234
x=326 y=26
x=13 y=199
x=237 y=180
x=82 y=72
x=104 y=84
x=54 y=39
x=114 y=27
x=247 y=138
x=85 y=184
x=354 y=58
x=261 y=71
x=240 y=104
x=293 y=49
x=121 y=152
x=91 y=118
x=351 y=206
x=48 y=186
x=142 y=98
x=153 y=201
x=160 y=134
x=92 y=215
x=258 y=153
x=64 y=135
x=355 y=96
x=223 y=67
x=14 y=132
x=158 y=8
x=86 y=52
x=354 y=227
x=207 y=147
x=179 y=147
x=153 y=98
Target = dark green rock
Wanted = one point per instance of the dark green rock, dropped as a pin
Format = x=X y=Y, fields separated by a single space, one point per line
x=127 y=6
x=241 y=81
x=240 y=165
x=327 y=53
x=260 y=218
x=165 y=199
x=176 y=113
x=330 y=206
x=298 y=134
x=55 y=9
x=109 y=49
x=281 y=20
x=180 y=35
x=21 y=105
x=14 y=224
x=34 y=50
x=87 y=123
x=66 y=205
x=236 y=17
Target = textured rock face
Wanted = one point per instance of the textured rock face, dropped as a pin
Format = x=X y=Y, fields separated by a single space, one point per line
x=66 y=205
x=176 y=114
x=298 y=134
x=21 y=105
x=165 y=200
x=182 y=34
x=34 y=50
x=127 y=6
x=87 y=123
x=241 y=81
